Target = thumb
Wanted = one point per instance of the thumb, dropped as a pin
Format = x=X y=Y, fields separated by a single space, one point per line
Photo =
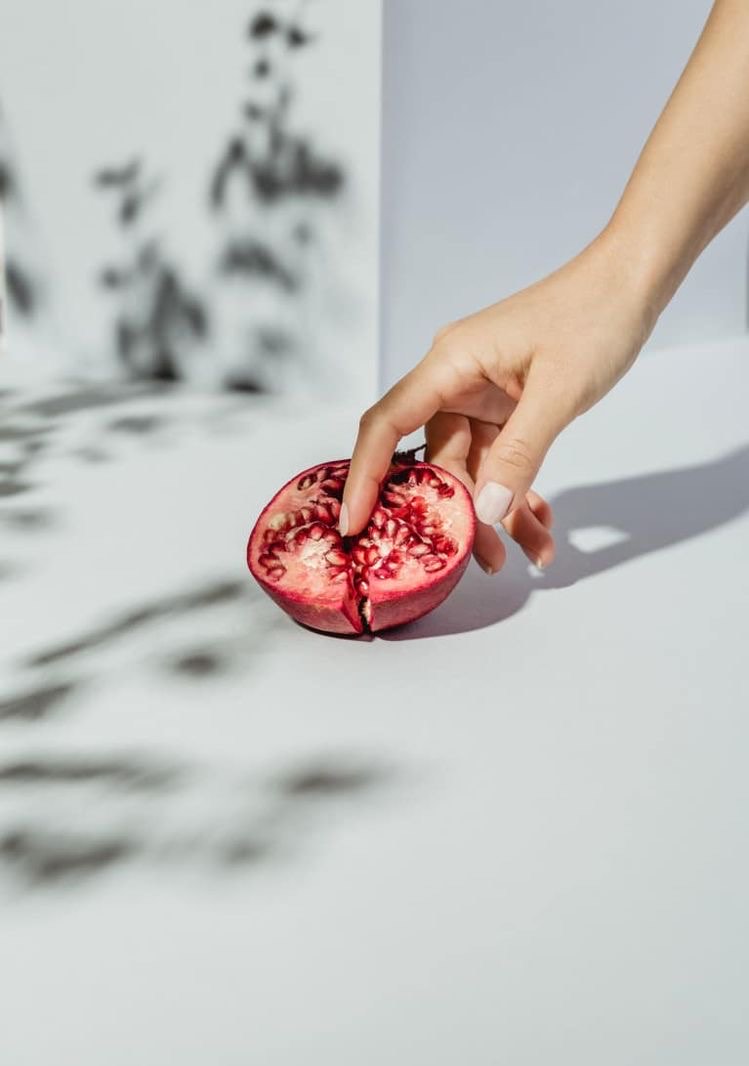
x=511 y=464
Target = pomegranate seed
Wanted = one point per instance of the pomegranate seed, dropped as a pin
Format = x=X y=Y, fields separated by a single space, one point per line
x=446 y=491
x=278 y=521
x=316 y=531
x=323 y=513
x=335 y=508
x=331 y=536
x=419 y=549
x=444 y=545
x=362 y=587
x=276 y=572
x=394 y=499
x=267 y=560
x=306 y=482
x=359 y=554
x=371 y=555
x=333 y=486
x=433 y=481
x=391 y=527
x=379 y=518
x=381 y=573
x=337 y=557
x=305 y=515
x=433 y=563
x=402 y=536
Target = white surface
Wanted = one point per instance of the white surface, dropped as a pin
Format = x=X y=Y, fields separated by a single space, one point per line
x=509 y=131
x=550 y=864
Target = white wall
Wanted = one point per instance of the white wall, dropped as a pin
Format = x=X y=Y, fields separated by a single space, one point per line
x=92 y=82
x=509 y=131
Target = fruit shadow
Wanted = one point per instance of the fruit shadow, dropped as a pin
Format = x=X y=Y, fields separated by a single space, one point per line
x=641 y=515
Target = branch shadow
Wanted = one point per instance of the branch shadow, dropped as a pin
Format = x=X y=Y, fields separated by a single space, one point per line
x=69 y=816
x=648 y=513
x=261 y=821
x=209 y=595
x=36 y=704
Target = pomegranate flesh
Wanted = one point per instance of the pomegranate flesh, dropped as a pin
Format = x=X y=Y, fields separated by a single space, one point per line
x=405 y=562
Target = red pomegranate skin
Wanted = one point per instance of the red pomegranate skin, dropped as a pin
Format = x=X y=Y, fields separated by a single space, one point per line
x=407 y=560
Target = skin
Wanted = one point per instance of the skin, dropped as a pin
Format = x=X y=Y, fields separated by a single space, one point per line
x=498 y=387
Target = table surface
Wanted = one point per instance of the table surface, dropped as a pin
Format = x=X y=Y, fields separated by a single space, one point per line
x=514 y=832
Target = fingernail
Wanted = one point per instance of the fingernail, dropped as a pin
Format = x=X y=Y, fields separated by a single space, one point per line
x=343 y=520
x=540 y=563
x=486 y=567
x=493 y=503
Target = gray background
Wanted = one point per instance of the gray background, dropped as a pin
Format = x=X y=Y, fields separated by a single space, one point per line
x=509 y=132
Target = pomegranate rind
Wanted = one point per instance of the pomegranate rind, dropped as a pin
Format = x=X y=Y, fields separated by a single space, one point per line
x=327 y=597
x=335 y=609
x=391 y=611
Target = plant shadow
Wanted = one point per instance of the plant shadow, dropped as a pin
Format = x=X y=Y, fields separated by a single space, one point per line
x=645 y=514
x=270 y=818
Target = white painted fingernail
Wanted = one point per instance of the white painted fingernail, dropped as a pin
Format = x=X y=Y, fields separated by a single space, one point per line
x=486 y=567
x=493 y=503
x=539 y=562
x=343 y=520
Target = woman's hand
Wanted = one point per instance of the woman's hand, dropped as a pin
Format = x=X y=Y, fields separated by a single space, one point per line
x=497 y=388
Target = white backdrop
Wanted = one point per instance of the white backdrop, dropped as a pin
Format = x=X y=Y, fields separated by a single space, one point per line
x=97 y=82
x=509 y=132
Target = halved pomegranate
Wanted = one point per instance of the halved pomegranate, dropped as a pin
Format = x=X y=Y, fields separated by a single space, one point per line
x=408 y=559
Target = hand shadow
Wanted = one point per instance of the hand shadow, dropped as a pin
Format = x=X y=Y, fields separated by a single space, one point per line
x=648 y=513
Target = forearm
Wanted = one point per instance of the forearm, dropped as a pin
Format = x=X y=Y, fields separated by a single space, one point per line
x=693 y=174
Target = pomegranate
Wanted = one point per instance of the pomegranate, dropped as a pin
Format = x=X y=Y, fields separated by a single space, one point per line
x=407 y=560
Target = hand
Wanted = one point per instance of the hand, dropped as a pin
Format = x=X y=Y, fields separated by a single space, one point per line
x=497 y=388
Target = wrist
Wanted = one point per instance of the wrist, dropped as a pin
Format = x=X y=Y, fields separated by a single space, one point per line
x=632 y=275
x=652 y=265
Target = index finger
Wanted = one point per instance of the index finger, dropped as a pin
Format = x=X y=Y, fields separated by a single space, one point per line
x=409 y=404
